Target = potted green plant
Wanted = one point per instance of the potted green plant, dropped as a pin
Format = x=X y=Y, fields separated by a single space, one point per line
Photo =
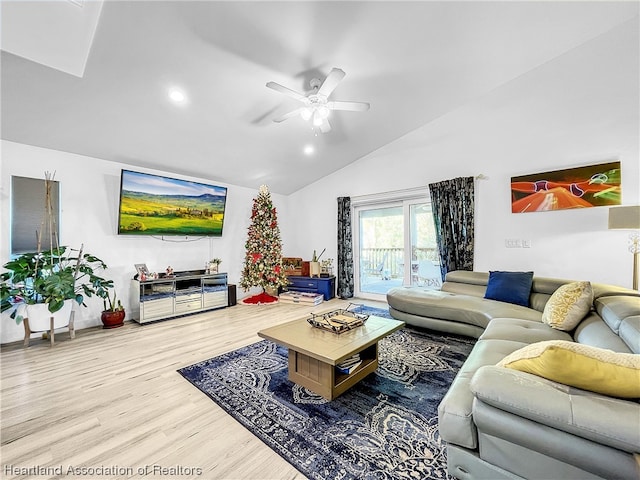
x=113 y=315
x=38 y=285
x=213 y=265
x=314 y=264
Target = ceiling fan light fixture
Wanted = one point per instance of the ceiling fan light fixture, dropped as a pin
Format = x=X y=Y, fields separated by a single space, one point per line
x=306 y=113
x=322 y=111
x=316 y=106
x=317 y=120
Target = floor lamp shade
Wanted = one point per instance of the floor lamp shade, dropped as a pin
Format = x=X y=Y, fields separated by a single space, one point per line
x=628 y=218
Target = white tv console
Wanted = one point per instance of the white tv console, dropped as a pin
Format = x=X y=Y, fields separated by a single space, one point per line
x=181 y=294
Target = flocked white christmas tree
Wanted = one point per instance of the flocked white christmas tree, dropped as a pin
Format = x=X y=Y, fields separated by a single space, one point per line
x=263 y=258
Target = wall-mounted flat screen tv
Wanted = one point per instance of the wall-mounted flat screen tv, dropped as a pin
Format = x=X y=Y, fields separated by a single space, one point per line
x=155 y=205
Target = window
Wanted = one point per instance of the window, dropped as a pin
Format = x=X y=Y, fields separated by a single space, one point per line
x=28 y=214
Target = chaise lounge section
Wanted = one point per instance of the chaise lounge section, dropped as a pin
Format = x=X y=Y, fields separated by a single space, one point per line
x=500 y=420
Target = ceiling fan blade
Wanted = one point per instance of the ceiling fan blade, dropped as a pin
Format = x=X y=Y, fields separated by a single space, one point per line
x=350 y=106
x=331 y=82
x=286 y=116
x=287 y=91
x=325 y=126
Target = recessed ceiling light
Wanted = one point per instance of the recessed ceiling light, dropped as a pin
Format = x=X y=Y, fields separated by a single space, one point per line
x=177 y=95
x=309 y=149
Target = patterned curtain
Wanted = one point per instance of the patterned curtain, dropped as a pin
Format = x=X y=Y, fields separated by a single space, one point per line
x=452 y=202
x=345 y=249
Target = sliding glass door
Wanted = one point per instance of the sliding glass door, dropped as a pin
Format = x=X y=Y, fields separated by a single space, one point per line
x=380 y=250
x=425 y=268
x=394 y=245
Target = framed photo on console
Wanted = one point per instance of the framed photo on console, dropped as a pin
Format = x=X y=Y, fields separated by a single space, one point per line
x=142 y=269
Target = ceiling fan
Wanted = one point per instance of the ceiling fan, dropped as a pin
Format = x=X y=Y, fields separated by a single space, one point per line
x=316 y=106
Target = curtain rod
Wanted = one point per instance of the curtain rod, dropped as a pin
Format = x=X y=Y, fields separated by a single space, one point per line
x=400 y=194
x=393 y=194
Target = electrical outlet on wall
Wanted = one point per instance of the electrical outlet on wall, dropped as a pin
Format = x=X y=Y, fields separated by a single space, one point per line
x=526 y=243
x=513 y=243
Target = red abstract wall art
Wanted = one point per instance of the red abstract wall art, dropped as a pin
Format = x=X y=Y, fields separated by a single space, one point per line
x=581 y=187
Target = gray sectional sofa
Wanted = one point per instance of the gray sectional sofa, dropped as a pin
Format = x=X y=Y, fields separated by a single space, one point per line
x=500 y=423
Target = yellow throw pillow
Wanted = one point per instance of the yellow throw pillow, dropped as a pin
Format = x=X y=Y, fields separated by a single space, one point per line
x=568 y=305
x=581 y=366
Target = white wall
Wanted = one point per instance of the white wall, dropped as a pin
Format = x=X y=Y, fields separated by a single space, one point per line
x=89 y=195
x=581 y=108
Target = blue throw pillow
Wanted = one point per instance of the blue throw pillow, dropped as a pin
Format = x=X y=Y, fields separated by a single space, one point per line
x=510 y=287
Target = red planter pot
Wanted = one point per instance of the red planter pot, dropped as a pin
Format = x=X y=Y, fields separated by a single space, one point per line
x=112 y=319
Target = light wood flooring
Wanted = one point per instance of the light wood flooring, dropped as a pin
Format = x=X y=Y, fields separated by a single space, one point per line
x=112 y=399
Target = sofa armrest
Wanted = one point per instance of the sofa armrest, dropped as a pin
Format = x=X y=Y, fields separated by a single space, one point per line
x=599 y=418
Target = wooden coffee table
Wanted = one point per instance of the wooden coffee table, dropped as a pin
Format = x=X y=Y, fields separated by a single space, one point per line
x=314 y=353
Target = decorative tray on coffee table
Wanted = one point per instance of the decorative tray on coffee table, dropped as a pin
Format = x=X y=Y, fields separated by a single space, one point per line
x=338 y=321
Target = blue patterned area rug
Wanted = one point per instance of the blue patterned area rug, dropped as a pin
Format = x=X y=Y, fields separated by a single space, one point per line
x=385 y=427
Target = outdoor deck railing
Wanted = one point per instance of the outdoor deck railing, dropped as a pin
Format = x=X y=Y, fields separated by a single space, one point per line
x=389 y=262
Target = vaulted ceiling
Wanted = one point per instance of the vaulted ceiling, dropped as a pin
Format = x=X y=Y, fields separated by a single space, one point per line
x=94 y=78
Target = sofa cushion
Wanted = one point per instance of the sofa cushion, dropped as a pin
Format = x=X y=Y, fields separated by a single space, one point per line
x=466 y=282
x=510 y=287
x=601 y=290
x=437 y=324
x=595 y=332
x=568 y=305
x=615 y=309
x=451 y=306
x=468 y=277
x=581 y=366
x=455 y=419
x=475 y=283
x=598 y=418
x=620 y=313
x=525 y=331
x=630 y=332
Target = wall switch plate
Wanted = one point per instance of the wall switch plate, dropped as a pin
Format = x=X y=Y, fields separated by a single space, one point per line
x=526 y=243
x=513 y=243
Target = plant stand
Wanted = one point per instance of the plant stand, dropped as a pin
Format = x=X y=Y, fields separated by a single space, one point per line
x=48 y=333
x=44 y=321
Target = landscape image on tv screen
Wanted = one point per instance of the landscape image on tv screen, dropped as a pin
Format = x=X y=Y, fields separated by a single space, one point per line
x=155 y=205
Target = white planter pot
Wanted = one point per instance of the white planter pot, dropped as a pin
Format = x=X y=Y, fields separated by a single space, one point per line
x=39 y=316
x=314 y=269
